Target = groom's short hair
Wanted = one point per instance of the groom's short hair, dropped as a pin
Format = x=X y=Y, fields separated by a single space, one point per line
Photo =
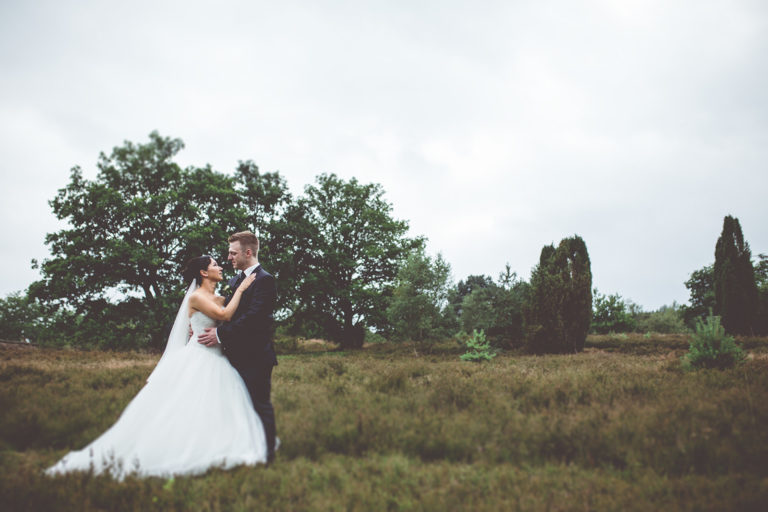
x=247 y=241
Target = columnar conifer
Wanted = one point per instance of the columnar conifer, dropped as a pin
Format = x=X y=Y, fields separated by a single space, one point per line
x=560 y=307
x=734 y=280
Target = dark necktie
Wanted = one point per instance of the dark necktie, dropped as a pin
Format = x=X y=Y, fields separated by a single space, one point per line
x=239 y=280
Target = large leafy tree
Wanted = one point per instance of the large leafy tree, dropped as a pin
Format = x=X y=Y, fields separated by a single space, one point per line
x=347 y=250
x=264 y=200
x=736 y=295
x=131 y=227
x=115 y=266
x=559 y=311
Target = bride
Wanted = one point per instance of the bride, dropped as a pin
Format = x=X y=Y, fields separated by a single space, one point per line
x=194 y=413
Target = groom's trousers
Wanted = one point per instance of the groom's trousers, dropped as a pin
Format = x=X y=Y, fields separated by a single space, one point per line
x=258 y=380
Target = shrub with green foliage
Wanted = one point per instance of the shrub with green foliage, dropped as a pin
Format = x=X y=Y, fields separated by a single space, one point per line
x=497 y=309
x=478 y=348
x=20 y=318
x=711 y=347
x=610 y=314
x=665 y=320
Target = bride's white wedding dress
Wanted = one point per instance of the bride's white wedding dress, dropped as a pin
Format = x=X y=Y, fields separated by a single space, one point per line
x=194 y=413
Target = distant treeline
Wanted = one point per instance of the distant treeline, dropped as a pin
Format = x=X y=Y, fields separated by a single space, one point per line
x=734 y=288
x=347 y=270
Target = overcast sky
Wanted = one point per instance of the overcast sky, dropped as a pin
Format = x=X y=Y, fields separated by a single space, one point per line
x=494 y=127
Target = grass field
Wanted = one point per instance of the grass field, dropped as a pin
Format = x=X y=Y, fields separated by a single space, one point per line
x=401 y=427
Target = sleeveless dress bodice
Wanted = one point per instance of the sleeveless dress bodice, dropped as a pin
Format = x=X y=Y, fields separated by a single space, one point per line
x=200 y=321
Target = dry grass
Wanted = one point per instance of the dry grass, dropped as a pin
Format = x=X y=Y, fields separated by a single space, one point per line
x=618 y=427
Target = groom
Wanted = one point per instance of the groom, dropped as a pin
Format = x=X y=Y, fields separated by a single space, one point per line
x=247 y=338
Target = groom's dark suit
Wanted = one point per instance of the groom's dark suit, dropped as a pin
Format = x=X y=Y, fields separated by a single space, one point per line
x=247 y=342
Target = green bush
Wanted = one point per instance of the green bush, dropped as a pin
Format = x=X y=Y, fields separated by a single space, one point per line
x=711 y=347
x=609 y=314
x=478 y=348
x=21 y=318
x=498 y=311
x=666 y=320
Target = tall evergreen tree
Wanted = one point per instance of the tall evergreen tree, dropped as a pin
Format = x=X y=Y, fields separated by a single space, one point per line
x=559 y=312
x=734 y=279
x=575 y=267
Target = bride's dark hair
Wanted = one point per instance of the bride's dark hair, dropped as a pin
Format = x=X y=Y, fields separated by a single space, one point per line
x=194 y=266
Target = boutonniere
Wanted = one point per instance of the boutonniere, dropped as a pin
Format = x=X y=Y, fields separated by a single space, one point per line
x=226 y=290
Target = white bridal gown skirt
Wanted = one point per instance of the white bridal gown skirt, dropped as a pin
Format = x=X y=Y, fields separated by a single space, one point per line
x=195 y=413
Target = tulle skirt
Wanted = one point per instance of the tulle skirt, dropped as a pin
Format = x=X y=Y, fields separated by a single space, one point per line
x=195 y=413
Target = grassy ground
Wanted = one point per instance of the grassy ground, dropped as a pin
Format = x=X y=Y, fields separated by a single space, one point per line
x=401 y=427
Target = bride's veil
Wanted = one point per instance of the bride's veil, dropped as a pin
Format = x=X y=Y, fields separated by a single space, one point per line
x=179 y=332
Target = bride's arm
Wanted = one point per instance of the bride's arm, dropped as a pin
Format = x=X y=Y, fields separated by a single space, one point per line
x=211 y=309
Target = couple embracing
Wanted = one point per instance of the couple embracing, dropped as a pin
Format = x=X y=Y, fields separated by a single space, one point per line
x=207 y=402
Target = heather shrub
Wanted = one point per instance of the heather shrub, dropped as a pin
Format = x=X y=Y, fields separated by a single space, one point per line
x=617 y=427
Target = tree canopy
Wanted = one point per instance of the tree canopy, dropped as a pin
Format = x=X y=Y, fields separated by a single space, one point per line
x=418 y=309
x=701 y=288
x=495 y=308
x=345 y=266
x=346 y=251
x=130 y=230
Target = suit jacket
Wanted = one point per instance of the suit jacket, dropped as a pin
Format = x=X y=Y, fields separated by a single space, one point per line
x=247 y=338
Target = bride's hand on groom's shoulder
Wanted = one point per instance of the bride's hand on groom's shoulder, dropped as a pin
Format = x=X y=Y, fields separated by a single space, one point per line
x=247 y=282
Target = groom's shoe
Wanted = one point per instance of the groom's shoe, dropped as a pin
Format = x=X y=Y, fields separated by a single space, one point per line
x=270 y=458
